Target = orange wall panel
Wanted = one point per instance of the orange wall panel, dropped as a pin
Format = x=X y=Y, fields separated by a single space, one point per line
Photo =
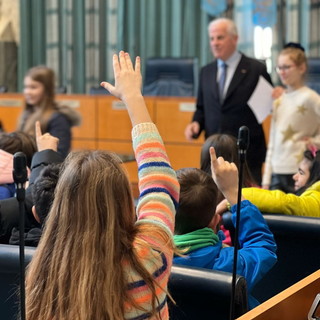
x=113 y=119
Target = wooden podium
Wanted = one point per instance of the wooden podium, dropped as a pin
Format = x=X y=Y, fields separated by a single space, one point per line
x=293 y=303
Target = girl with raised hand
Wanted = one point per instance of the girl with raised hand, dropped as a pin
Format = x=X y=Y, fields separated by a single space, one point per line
x=96 y=259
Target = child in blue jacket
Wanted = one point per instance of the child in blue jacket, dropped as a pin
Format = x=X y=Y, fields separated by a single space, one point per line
x=196 y=221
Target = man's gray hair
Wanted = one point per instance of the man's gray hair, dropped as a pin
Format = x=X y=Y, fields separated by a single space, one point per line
x=231 y=27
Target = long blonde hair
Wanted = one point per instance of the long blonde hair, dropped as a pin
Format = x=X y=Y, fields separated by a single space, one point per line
x=77 y=271
x=47 y=106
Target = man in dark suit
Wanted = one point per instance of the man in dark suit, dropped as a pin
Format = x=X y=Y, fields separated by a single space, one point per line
x=225 y=87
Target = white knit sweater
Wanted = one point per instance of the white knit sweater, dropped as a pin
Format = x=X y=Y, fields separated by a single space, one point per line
x=295 y=115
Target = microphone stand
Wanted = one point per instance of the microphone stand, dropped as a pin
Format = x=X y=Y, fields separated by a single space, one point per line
x=243 y=143
x=20 y=177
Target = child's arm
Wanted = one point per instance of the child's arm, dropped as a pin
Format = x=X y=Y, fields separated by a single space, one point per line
x=159 y=189
x=257 y=245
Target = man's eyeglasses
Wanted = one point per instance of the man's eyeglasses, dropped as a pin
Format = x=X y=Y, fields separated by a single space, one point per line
x=283 y=68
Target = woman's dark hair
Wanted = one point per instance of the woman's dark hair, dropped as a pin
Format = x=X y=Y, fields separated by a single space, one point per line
x=314 y=170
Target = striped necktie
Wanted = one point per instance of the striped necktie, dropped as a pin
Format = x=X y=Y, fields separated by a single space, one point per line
x=222 y=80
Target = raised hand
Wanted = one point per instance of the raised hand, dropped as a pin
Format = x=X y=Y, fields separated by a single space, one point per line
x=45 y=141
x=225 y=175
x=127 y=87
x=128 y=79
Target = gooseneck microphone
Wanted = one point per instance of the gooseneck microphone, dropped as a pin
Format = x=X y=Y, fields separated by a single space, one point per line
x=20 y=177
x=20 y=174
x=243 y=145
x=243 y=142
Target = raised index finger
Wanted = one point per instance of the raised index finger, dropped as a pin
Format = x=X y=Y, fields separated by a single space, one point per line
x=213 y=155
x=38 y=129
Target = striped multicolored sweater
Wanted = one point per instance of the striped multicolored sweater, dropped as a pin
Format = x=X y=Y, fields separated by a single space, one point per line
x=159 y=195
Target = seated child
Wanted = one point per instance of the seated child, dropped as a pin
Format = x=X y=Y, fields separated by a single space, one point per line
x=306 y=201
x=225 y=145
x=196 y=220
x=308 y=171
x=43 y=195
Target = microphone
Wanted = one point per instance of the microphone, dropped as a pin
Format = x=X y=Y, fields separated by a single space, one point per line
x=243 y=142
x=243 y=145
x=20 y=174
x=20 y=177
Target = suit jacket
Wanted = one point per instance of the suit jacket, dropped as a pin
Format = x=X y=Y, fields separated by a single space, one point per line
x=234 y=111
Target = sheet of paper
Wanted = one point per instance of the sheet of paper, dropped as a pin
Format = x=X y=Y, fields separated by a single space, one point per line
x=261 y=100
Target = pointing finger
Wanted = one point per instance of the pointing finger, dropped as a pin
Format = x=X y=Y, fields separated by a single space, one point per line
x=38 y=129
x=213 y=155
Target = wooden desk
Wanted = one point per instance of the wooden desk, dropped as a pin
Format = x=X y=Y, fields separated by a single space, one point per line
x=172 y=116
x=293 y=303
x=10 y=108
x=106 y=125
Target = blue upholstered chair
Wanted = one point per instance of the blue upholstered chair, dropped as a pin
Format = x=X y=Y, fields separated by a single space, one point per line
x=205 y=294
x=3 y=89
x=199 y=293
x=170 y=77
x=298 y=252
x=98 y=90
x=313 y=74
x=9 y=279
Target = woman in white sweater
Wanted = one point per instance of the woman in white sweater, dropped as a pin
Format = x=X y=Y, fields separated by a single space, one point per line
x=295 y=124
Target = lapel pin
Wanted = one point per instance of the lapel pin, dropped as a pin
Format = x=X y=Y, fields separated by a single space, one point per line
x=243 y=71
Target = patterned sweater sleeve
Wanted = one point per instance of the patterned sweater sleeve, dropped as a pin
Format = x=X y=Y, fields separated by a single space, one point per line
x=158 y=185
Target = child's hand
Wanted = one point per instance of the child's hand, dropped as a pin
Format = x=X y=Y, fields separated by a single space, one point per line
x=225 y=175
x=277 y=92
x=46 y=141
x=128 y=80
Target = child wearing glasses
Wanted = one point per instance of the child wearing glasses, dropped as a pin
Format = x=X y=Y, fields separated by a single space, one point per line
x=295 y=124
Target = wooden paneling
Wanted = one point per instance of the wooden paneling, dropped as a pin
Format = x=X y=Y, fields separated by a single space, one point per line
x=113 y=120
x=172 y=116
x=266 y=128
x=11 y=106
x=182 y=156
x=293 y=303
x=86 y=105
x=106 y=125
x=79 y=144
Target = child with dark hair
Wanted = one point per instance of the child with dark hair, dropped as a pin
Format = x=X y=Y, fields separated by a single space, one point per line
x=225 y=146
x=305 y=201
x=43 y=191
x=196 y=220
x=308 y=172
x=199 y=195
x=43 y=195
